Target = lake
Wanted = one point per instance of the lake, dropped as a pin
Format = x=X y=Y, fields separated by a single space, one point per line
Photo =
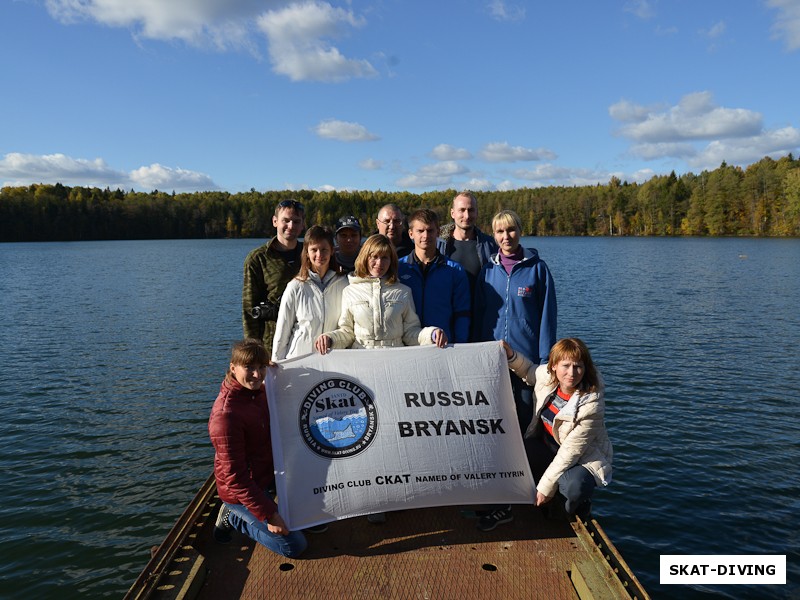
x=112 y=354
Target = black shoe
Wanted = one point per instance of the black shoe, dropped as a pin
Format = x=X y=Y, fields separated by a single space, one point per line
x=496 y=517
x=584 y=510
x=316 y=529
x=222 y=528
x=555 y=510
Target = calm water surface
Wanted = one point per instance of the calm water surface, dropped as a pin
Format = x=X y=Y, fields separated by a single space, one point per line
x=112 y=353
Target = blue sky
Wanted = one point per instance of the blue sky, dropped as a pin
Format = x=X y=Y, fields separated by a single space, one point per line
x=391 y=95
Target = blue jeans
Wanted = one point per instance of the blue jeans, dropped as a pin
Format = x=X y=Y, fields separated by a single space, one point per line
x=576 y=484
x=243 y=521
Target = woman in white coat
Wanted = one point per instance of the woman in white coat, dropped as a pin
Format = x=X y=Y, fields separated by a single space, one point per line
x=567 y=442
x=312 y=301
x=377 y=310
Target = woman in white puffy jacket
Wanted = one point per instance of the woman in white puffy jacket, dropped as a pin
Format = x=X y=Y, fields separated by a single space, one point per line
x=567 y=442
x=312 y=301
x=377 y=310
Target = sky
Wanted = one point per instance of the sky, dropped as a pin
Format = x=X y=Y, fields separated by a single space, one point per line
x=392 y=95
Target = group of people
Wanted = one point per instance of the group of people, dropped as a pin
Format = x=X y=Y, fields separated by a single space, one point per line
x=404 y=287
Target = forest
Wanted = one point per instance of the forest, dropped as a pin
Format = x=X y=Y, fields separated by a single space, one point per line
x=762 y=199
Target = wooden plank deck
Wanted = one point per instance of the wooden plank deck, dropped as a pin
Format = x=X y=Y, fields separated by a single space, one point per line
x=422 y=553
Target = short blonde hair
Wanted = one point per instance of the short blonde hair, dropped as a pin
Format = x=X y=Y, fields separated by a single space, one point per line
x=377 y=245
x=507 y=217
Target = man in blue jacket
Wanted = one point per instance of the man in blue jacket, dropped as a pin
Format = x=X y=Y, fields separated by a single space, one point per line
x=439 y=286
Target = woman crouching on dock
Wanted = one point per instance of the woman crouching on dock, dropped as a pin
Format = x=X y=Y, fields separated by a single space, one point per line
x=566 y=443
x=243 y=468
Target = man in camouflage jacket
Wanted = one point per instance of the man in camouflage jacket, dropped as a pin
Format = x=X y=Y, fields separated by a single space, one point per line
x=268 y=269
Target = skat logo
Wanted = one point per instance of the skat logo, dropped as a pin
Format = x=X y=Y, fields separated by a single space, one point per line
x=337 y=418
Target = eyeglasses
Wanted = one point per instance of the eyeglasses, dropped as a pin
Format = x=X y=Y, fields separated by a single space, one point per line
x=391 y=221
x=293 y=204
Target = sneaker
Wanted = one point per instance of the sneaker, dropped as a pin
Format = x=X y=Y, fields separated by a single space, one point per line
x=222 y=528
x=584 y=510
x=316 y=529
x=497 y=517
x=555 y=510
x=377 y=518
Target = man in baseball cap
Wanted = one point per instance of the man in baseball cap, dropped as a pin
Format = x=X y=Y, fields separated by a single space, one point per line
x=348 y=242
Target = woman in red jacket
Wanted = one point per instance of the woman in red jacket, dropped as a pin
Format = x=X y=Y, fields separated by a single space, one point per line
x=239 y=430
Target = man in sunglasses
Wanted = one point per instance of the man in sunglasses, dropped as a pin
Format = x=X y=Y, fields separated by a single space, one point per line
x=268 y=269
x=391 y=223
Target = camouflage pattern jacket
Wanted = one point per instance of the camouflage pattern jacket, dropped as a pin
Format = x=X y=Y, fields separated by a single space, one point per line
x=266 y=274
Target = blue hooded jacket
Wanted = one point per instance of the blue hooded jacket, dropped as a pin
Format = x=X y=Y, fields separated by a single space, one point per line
x=441 y=295
x=519 y=308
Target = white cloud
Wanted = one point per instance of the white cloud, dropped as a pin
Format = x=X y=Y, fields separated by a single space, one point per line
x=733 y=135
x=477 y=184
x=787 y=22
x=549 y=174
x=665 y=31
x=644 y=9
x=660 y=150
x=325 y=187
x=434 y=175
x=296 y=187
x=640 y=176
x=506 y=185
x=714 y=35
x=626 y=111
x=371 y=164
x=694 y=118
x=448 y=152
x=297 y=33
x=743 y=151
x=717 y=29
x=344 y=131
x=297 y=47
x=224 y=23
x=24 y=169
x=504 y=152
x=159 y=177
x=500 y=10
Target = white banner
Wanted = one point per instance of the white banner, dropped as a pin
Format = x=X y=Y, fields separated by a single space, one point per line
x=362 y=431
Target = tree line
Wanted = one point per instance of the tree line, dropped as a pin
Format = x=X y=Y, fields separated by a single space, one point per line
x=762 y=199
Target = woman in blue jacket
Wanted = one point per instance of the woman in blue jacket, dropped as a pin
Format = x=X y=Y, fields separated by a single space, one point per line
x=515 y=301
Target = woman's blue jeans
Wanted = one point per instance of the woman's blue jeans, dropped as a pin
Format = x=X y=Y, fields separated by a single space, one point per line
x=243 y=521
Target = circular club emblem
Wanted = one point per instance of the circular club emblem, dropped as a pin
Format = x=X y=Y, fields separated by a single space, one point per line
x=337 y=418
